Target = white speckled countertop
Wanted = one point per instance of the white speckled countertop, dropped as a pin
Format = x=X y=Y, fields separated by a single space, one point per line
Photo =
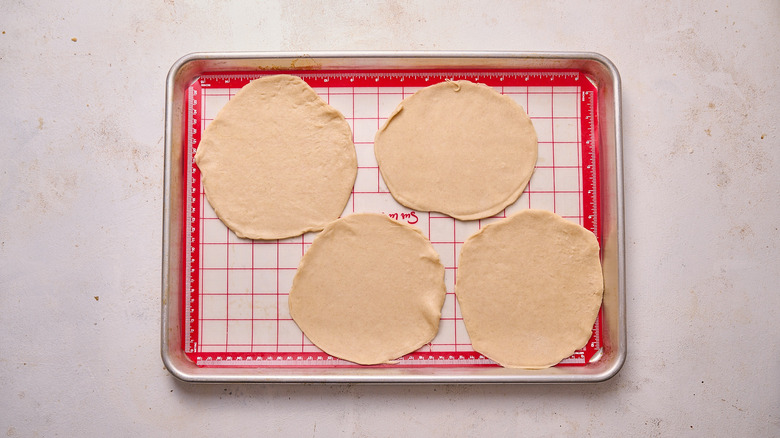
x=82 y=105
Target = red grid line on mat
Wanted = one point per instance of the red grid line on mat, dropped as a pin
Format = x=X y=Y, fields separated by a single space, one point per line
x=264 y=333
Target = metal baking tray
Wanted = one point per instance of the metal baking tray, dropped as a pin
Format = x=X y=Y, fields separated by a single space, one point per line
x=588 y=78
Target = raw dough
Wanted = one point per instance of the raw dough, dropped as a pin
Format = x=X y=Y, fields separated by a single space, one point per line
x=369 y=290
x=529 y=289
x=458 y=148
x=277 y=161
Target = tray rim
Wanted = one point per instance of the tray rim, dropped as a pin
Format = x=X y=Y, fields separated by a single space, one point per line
x=182 y=369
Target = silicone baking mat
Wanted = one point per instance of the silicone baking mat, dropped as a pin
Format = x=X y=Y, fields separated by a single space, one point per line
x=235 y=296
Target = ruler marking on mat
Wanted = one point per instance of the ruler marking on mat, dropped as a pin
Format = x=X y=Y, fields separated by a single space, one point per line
x=297 y=359
x=189 y=215
x=192 y=320
x=590 y=180
x=207 y=340
x=398 y=78
x=590 y=166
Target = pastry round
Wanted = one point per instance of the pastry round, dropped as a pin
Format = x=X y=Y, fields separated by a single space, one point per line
x=369 y=290
x=529 y=289
x=457 y=148
x=277 y=161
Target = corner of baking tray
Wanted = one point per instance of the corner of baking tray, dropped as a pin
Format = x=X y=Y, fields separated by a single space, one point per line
x=617 y=103
x=177 y=372
x=615 y=366
x=177 y=366
x=177 y=66
x=183 y=61
x=606 y=62
x=170 y=366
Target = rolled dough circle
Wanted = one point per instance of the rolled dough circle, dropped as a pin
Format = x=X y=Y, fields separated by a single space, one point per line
x=457 y=148
x=529 y=288
x=277 y=161
x=369 y=290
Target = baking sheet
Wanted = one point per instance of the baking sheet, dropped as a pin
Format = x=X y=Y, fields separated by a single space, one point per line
x=235 y=290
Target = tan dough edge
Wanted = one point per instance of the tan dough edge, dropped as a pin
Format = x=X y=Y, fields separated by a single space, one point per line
x=595 y=312
x=270 y=236
x=394 y=358
x=512 y=198
x=551 y=364
x=245 y=89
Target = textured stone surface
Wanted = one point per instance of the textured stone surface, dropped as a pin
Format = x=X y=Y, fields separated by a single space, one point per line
x=82 y=86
